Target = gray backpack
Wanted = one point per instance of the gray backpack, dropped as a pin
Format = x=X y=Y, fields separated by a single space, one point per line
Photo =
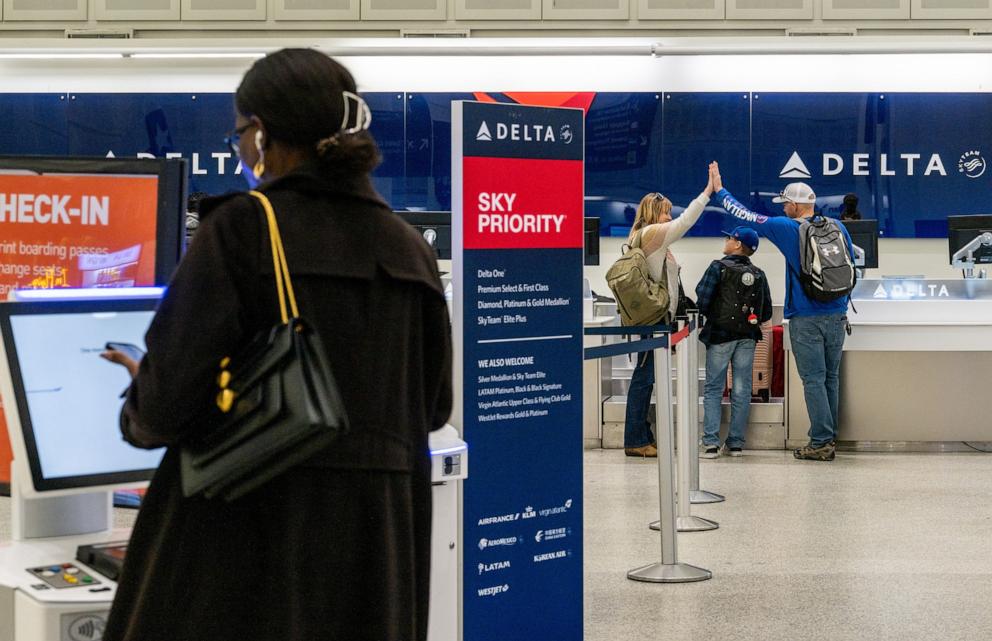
x=640 y=300
x=827 y=271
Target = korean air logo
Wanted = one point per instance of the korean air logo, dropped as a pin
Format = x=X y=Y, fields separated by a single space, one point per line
x=971 y=164
x=795 y=168
x=565 y=133
x=484 y=133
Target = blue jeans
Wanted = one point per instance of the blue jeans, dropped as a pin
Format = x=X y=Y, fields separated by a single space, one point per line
x=636 y=431
x=817 y=343
x=718 y=357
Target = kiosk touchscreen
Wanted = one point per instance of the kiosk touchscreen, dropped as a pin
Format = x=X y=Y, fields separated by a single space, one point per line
x=864 y=236
x=67 y=398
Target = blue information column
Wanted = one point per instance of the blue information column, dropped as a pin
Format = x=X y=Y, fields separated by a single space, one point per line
x=517 y=208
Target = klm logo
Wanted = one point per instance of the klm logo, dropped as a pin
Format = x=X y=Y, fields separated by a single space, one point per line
x=517 y=132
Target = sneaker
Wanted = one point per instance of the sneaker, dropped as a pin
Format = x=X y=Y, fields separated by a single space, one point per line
x=645 y=451
x=733 y=451
x=810 y=453
x=711 y=451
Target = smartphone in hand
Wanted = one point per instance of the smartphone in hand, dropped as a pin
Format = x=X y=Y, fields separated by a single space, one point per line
x=132 y=351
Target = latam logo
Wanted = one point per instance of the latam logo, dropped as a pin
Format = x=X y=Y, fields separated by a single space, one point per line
x=971 y=164
x=492 y=567
x=517 y=132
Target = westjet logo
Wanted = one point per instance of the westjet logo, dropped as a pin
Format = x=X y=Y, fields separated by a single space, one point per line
x=517 y=132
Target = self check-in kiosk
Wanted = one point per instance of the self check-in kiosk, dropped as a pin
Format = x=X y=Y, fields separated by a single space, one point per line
x=62 y=409
x=58 y=575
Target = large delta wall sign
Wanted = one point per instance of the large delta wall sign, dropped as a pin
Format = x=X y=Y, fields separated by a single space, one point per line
x=912 y=158
x=518 y=207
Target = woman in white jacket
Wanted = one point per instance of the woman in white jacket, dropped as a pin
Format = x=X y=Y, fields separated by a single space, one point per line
x=658 y=232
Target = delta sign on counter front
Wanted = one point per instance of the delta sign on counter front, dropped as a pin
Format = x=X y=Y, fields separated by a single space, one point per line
x=517 y=258
x=74 y=230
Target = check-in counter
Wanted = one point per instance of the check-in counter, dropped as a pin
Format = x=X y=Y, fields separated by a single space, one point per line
x=916 y=370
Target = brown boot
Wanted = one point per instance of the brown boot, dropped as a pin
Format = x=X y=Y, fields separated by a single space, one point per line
x=646 y=451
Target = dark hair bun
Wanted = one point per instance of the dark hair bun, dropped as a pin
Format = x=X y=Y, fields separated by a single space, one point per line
x=298 y=95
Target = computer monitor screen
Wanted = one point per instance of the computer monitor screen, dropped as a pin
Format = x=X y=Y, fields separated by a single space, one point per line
x=590 y=252
x=68 y=398
x=864 y=234
x=435 y=227
x=90 y=222
x=961 y=230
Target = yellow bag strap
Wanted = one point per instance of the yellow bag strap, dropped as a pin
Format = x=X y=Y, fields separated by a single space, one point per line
x=284 y=285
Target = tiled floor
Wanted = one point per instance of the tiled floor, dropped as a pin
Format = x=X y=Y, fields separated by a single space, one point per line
x=871 y=546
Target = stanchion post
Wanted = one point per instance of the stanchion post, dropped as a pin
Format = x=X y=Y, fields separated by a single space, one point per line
x=669 y=570
x=688 y=450
x=696 y=495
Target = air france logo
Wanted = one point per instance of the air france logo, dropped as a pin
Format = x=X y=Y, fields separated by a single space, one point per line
x=795 y=168
x=484 y=133
x=566 y=134
x=971 y=164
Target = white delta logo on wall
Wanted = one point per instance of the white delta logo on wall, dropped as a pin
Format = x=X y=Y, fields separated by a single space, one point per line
x=518 y=132
x=971 y=164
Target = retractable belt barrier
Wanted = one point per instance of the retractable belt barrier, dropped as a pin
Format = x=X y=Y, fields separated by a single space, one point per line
x=660 y=338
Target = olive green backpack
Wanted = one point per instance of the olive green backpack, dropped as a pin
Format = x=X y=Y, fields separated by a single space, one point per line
x=640 y=300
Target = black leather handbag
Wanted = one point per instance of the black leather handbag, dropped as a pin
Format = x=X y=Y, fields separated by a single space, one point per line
x=279 y=396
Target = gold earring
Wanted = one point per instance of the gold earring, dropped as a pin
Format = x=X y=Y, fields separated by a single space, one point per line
x=259 y=169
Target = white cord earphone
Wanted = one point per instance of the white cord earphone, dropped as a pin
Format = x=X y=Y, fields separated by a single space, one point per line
x=258 y=140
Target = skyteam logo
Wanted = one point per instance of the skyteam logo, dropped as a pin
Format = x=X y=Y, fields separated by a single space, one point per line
x=971 y=164
x=484 y=133
x=795 y=168
x=566 y=134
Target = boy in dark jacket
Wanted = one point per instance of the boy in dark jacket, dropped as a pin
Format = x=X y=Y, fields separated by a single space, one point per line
x=734 y=297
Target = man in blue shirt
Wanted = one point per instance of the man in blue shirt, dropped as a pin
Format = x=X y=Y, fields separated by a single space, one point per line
x=816 y=329
x=734 y=297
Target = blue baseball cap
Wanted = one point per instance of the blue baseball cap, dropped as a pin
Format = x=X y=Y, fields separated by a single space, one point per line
x=747 y=236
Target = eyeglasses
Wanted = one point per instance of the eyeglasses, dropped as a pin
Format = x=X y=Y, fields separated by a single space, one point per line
x=233 y=138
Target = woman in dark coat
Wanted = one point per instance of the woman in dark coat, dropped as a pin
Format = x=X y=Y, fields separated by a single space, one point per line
x=339 y=547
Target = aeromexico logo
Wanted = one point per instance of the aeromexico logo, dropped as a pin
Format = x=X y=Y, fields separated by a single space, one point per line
x=523 y=132
x=971 y=163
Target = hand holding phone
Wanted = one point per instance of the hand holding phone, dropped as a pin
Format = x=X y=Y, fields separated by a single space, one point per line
x=124 y=354
x=129 y=349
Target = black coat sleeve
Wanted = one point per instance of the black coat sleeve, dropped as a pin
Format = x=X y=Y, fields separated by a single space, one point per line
x=437 y=363
x=199 y=322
